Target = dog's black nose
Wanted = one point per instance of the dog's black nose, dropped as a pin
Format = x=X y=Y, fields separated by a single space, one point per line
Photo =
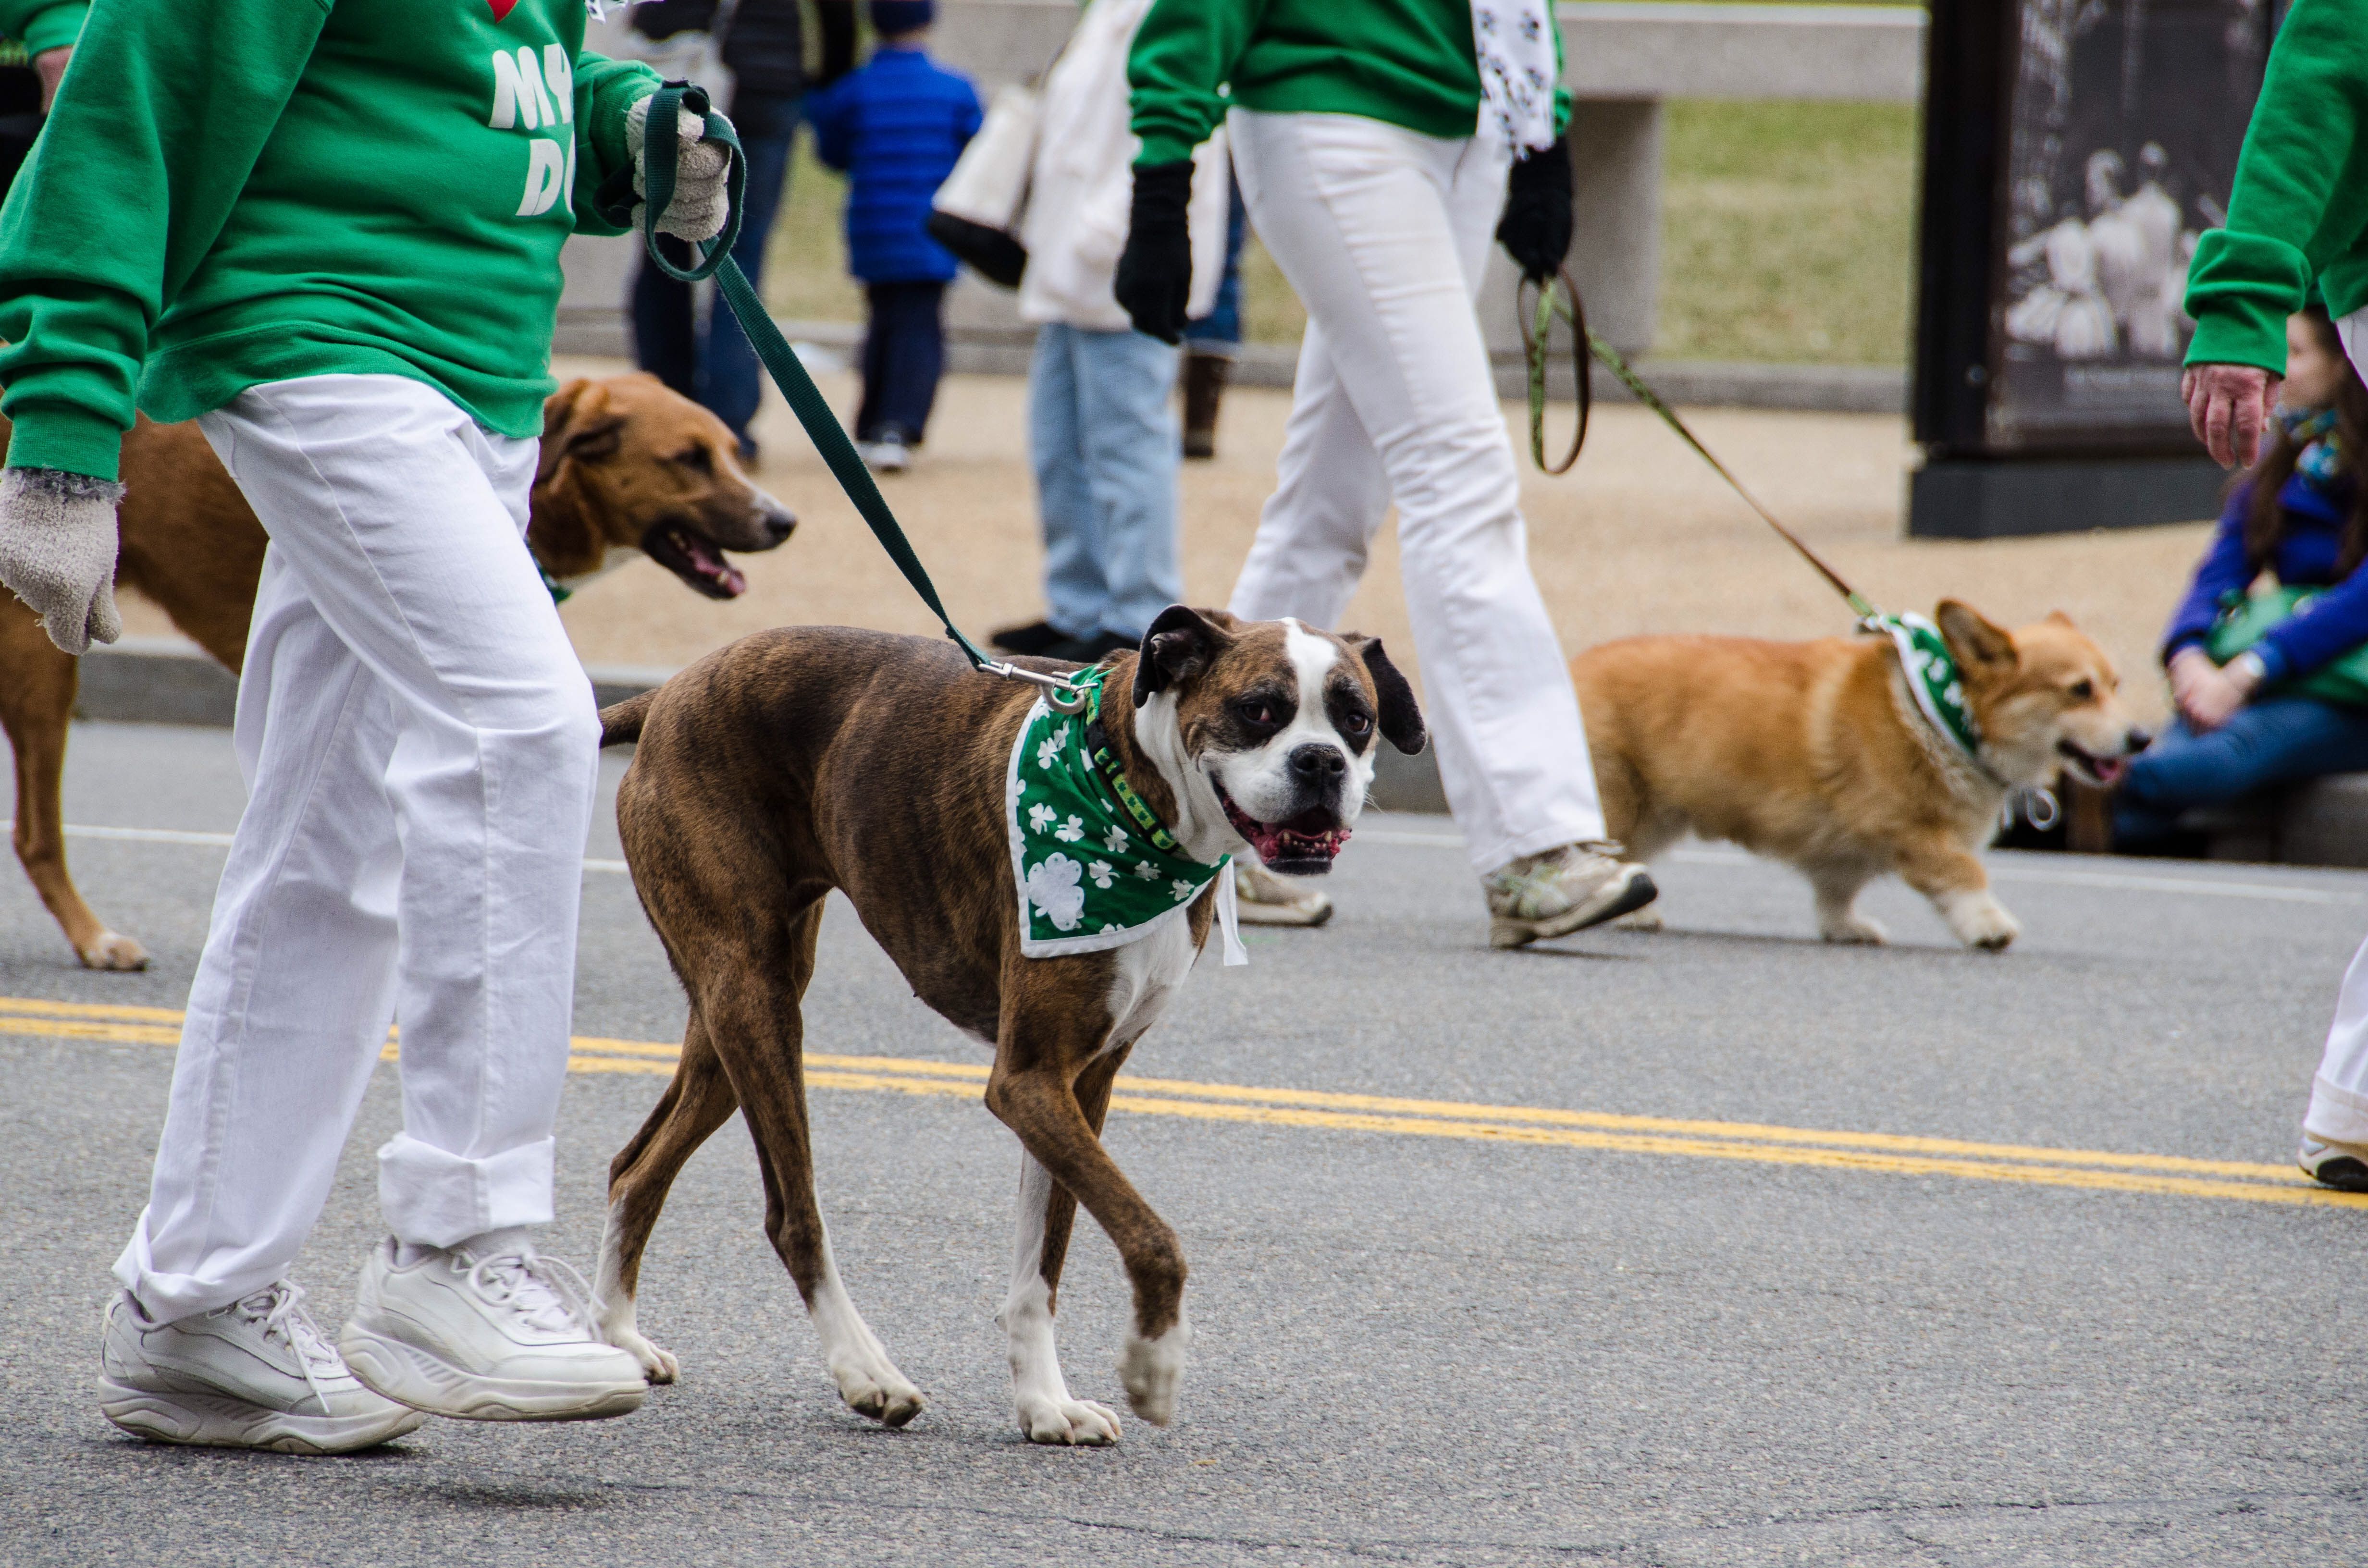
x=1317 y=764
x=778 y=525
x=2139 y=740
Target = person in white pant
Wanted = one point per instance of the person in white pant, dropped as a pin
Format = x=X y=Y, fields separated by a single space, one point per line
x=342 y=260
x=1378 y=148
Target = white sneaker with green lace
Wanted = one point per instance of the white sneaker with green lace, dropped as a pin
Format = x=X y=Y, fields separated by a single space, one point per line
x=490 y=1330
x=256 y=1374
x=1562 y=890
x=1265 y=899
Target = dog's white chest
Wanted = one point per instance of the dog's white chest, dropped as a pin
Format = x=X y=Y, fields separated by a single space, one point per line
x=1149 y=975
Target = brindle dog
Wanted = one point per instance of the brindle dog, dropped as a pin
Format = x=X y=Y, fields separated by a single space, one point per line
x=798 y=761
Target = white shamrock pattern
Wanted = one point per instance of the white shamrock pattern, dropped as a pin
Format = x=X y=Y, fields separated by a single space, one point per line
x=1115 y=839
x=1050 y=750
x=1101 y=871
x=1071 y=830
x=1146 y=870
x=1039 y=817
x=1052 y=887
x=1179 y=888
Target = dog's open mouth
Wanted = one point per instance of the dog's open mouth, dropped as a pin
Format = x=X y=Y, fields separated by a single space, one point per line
x=695 y=559
x=2101 y=770
x=1303 y=847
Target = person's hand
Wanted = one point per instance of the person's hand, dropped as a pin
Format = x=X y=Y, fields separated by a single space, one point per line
x=57 y=551
x=51 y=66
x=2228 y=407
x=1535 y=229
x=2189 y=668
x=1155 y=272
x=2214 y=693
x=701 y=198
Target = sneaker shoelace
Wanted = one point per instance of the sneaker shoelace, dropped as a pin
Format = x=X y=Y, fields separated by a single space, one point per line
x=278 y=1309
x=1540 y=876
x=545 y=1293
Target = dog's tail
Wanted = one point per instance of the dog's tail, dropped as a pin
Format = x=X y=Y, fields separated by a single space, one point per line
x=622 y=723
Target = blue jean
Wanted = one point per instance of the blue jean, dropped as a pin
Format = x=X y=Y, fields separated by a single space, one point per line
x=2273 y=741
x=717 y=367
x=1220 y=332
x=1106 y=451
x=903 y=356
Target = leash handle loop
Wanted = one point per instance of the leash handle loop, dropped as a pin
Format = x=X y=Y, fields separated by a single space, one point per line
x=713 y=259
x=1535 y=351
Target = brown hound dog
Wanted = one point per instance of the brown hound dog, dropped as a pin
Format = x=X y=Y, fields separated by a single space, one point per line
x=627 y=465
x=798 y=761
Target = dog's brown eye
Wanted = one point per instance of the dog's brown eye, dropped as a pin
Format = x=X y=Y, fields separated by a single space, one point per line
x=696 y=459
x=1257 y=714
x=1355 y=724
x=2083 y=689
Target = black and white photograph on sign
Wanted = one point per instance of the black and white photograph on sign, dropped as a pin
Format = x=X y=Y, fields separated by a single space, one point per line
x=2126 y=117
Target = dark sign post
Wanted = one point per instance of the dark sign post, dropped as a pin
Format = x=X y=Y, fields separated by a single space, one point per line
x=2074 y=150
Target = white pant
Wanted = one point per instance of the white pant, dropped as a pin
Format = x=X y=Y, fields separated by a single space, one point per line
x=1383 y=232
x=421 y=755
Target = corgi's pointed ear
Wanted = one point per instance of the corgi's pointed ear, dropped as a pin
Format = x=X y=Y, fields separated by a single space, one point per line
x=1980 y=644
x=2057 y=617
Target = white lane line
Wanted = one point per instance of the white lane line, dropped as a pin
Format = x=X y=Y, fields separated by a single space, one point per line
x=2276 y=893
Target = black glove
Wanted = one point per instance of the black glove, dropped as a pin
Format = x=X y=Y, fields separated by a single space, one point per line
x=1154 y=273
x=1535 y=230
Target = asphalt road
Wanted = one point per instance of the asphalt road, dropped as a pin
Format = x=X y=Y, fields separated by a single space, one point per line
x=1680 y=1330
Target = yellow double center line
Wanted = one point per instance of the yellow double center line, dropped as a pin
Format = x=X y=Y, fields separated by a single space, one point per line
x=1889 y=1154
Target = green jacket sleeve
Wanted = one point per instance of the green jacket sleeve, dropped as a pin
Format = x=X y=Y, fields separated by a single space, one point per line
x=1183 y=53
x=150 y=141
x=43 y=25
x=605 y=90
x=2301 y=198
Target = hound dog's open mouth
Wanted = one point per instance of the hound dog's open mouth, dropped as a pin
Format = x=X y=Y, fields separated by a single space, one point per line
x=694 y=558
x=1303 y=847
x=2101 y=770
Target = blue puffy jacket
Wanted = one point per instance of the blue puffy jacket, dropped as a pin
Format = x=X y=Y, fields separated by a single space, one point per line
x=2336 y=622
x=893 y=128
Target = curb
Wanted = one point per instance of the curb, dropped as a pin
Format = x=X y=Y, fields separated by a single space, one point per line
x=171 y=680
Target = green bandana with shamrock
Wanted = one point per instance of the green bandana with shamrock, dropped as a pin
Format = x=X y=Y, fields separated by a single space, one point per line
x=1095 y=868
x=1932 y=679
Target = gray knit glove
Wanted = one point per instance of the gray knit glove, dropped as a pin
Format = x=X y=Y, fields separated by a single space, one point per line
x=57 y=551
x=700 y=203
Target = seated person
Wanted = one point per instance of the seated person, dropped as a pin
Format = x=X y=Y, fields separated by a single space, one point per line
x=2298 y=516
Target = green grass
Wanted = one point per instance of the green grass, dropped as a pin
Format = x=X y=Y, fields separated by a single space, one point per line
x=1787 y=234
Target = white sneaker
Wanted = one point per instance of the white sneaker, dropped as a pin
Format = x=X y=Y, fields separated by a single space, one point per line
x=2339 y=1165
x=1562 y=890
x=501 y=1334
x=1264 y=899
x=256 y=1374
x=889 y=456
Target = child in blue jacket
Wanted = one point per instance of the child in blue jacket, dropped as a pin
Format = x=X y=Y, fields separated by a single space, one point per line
x=894 y=129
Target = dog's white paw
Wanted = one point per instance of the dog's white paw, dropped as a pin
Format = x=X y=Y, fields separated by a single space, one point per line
x=658 y=1364
x=879 y=1391
x=1076 y=1423
x=1980 y=921
x=112 y=950
x=1150 y=1371
x=1645 y=919
x=1853 y=927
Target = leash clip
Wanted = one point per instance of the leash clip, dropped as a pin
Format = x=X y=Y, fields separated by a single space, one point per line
x=1061 y=694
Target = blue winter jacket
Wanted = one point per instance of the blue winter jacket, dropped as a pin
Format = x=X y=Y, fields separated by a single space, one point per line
x=893 y=128
x=2333 y=624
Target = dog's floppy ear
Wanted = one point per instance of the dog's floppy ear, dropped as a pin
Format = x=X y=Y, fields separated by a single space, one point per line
x=578 y=426
x=1979 y=644
x=1180 y=644
x=1401 y=716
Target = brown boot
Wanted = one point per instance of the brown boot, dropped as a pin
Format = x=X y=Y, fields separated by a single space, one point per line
x=1204 y=386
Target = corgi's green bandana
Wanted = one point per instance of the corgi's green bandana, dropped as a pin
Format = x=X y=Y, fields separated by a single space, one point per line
x=1095 y=868
x=1933 y=680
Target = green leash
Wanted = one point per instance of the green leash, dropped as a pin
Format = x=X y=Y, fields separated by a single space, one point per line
x=615 y=200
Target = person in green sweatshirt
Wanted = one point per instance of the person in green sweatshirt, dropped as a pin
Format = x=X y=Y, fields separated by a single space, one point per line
x=329 y=231
x=45 y=30
x=1378 y=146
x=2297 y=224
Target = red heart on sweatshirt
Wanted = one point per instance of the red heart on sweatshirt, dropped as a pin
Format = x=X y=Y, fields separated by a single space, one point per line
x=501 y=8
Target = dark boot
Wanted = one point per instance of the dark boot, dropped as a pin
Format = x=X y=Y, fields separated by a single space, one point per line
x=1204 y=386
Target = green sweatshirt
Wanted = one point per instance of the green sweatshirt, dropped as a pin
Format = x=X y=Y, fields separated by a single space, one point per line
x=43 y=25
x=1407 y=62
x=236 y=191
x=2300 y=207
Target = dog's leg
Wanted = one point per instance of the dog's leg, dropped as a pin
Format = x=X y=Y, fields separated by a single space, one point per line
x=1837 y=917
x=1047 y=1214
x=769 y=1075
x=36 y=695
x=1039 y=1101
x=1954 y=879
x=695 y=1104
